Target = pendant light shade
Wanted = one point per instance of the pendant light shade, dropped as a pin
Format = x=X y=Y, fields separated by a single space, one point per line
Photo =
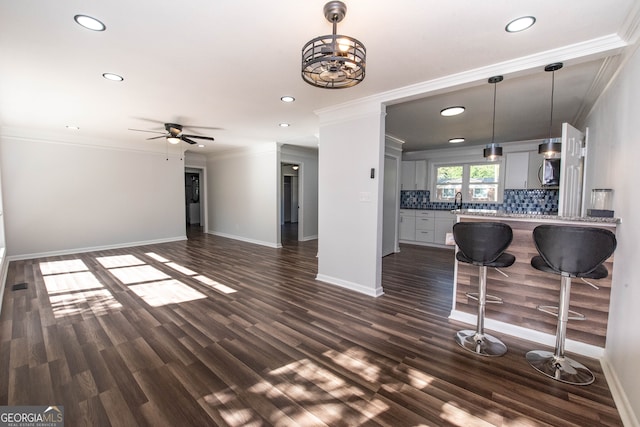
x=493 y=150
x=333 y=61
x=551 y=146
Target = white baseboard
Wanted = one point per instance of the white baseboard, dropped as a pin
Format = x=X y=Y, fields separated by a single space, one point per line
x=549 y=340
x=307 y=238
x=629 y=418
x=351 y=285
x=245 y=239
x=94 y=248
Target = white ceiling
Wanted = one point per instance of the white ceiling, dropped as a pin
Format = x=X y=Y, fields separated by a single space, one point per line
x=225 y=65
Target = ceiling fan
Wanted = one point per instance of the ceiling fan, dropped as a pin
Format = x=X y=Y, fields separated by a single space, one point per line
x=174 y=134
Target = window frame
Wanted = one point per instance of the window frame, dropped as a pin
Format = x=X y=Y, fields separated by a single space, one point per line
x=466 y=167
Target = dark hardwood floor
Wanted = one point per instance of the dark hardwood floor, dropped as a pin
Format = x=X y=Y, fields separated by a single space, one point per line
x=213 y=331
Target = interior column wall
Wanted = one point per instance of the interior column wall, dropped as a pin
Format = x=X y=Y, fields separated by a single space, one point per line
x=351 y=159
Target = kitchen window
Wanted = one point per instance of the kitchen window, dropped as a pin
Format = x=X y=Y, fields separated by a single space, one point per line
x=478 y=182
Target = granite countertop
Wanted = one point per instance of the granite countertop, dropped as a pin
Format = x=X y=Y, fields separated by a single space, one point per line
x=535 y=216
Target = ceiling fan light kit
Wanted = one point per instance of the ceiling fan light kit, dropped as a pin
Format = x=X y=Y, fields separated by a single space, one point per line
x=174 y=134
x=493 y=150
x=333 y=61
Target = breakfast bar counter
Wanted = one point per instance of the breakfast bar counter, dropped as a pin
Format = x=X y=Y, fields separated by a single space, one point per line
x=526 y=288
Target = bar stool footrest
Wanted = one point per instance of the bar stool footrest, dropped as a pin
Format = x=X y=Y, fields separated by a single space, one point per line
x=480 y=344
x=489 y=299
x=561 y=369
x=553 y=310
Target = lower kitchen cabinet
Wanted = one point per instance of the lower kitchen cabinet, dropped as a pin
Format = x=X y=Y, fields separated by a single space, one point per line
x=425 y=226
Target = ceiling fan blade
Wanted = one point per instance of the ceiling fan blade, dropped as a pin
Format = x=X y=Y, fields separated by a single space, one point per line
x=198 y=136
x=202 y=127
x=144 y=130
x=187 y=140
x=156 y=137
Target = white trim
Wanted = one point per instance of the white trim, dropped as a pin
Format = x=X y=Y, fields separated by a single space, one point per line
x=245 y=239
x=625 y=409
x=4 y=268
x=583 y=349
x=350 y=285
x=307 y=238
x=95 y=248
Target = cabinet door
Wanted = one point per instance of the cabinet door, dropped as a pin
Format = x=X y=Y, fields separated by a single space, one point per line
x=421 y=174
x=408 y=175
x=535 y=163
x=443 y=226
x=407 y=227
x=424 y=236
x=517 y=172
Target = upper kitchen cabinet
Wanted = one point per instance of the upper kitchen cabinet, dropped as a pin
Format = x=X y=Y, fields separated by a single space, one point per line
x=414 y=175
x=522 y=169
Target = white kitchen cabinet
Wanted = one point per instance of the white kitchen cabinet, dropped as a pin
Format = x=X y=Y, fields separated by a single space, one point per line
x=414 y=175
x=407 y=224
x=425 y=226
x=444 y=221
x=517 y=170
x=535 y=162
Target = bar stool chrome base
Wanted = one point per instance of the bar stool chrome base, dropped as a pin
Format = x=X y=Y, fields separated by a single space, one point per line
x=482 y=344
x=561 y=369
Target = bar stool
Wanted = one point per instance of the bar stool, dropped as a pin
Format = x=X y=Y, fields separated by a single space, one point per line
x=482 y=244
x=569 y=252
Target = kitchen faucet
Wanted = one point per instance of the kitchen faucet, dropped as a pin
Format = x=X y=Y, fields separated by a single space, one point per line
x=458 y=200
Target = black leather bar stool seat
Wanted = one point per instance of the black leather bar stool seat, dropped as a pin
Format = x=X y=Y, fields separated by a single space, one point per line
x=570 y=252
x=482 y=244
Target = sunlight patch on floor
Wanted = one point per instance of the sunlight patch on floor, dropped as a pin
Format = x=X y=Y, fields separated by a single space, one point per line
x=157 y=257
x=181 y=269
x=329 y=395
x=67 y=266
x=215 y=285
x=138 y=274
x=70 y=282
x=73 y=290
x=98 y=302
x=172 y=291
x=119 y=261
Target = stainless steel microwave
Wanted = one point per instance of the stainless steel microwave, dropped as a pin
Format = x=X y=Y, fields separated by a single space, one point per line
x=549 y=173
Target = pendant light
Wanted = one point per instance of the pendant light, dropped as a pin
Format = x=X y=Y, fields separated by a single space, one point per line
x=493 y=150
x=333 y=61
x=551 y=146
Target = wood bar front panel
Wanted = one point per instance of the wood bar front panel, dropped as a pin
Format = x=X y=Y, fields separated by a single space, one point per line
x=526 y=288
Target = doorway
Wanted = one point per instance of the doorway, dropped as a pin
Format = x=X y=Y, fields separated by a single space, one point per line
x=195 y=199
x=289 y=205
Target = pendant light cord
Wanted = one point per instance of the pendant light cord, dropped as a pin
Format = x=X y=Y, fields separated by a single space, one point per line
x=493 y=129
x=553 y=82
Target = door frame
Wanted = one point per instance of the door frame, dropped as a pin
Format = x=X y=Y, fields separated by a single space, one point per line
x=204 y=208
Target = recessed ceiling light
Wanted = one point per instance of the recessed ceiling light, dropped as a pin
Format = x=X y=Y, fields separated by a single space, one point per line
x=520 y=24
x=113 y=77
x=89 y=23
x=201 y=145
x=287 y=98
x=452 y=111
x=456 y=140
x=71 y=127
x=284 y=125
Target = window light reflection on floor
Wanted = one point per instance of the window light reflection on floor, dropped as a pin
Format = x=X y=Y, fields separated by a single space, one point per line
x=138 y=274
x=119 y=261
x=166 y=292
x=215 y=285
x=70 y=282
x=66 y=266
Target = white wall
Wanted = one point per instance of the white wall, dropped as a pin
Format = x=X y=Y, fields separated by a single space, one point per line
x=350 y=207
x=64 y=197
x=614 y=137
x=242 y=190
x=308 y=179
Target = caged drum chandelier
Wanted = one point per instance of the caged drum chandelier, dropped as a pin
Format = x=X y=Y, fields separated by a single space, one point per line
x=333 y=61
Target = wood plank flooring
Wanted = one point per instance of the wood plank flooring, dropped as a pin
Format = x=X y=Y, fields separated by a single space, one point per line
x=217 y=332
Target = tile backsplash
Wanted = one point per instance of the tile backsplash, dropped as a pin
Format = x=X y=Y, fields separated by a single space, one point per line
x=542 y=201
